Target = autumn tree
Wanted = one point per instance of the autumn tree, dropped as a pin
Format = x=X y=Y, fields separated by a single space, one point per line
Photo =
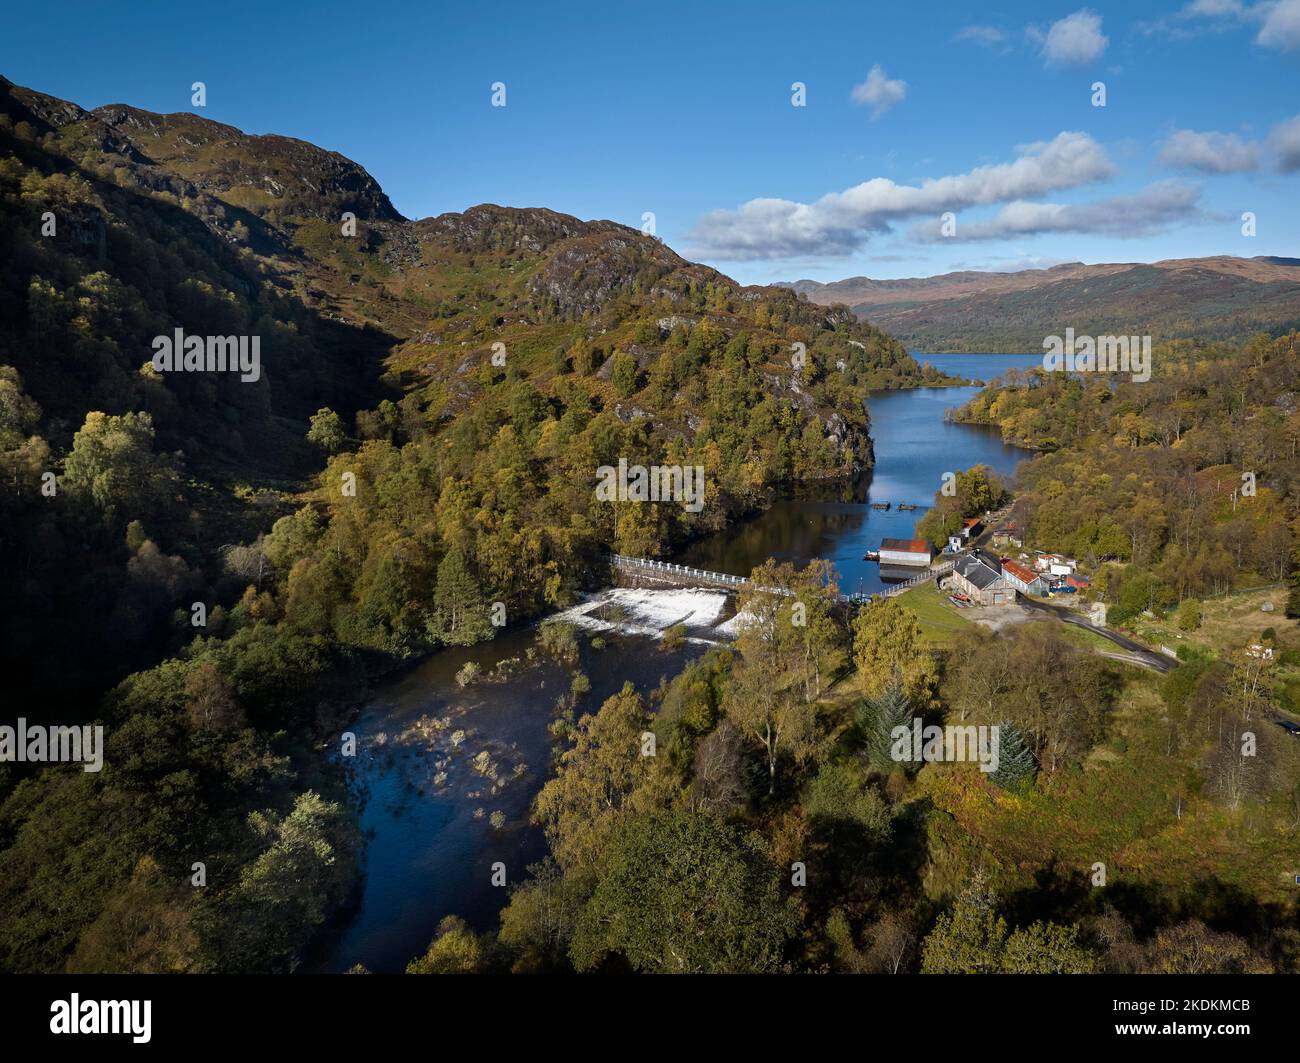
x=113 y=466
x=455 y=949
x=210 y=700
x=327 y=431
x=595 y=782
x=887 y=651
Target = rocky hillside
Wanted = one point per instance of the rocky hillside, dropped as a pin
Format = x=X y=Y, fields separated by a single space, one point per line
x=195 y=223
x=1218 y=297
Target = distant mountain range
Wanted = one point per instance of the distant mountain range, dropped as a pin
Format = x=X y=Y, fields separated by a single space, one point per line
x=1220 y=296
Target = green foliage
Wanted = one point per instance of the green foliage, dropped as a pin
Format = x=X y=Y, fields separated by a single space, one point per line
x=876 y=719
x=460 y=615
x=673 y=638
x=625 y=374
x=327 y=431
x=304 y=871
x=455 y=949
x=972 y=938
x=691 y=706
x=839 y=802
x=684 y=894
x=113 y=466
x=559 y=639
x=1189 y=615
x=1016 y=767
x=595 y=783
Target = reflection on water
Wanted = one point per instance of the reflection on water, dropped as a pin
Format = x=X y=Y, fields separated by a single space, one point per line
x=914 y=447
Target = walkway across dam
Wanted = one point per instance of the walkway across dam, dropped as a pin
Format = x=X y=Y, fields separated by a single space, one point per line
x=685 y=576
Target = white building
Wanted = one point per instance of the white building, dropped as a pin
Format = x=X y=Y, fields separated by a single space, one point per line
x=916 y=553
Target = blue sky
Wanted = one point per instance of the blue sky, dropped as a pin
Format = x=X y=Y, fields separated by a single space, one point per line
x=684 y=110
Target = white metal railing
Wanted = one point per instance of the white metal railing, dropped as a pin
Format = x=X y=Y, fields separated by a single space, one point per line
x=624 y=561
x=651 y=565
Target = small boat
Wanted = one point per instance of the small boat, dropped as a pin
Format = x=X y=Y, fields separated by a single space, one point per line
x=906 y=507
x=871 y=555
x=879 y=505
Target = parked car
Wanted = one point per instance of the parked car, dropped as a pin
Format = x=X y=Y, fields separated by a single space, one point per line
x=1293 y=729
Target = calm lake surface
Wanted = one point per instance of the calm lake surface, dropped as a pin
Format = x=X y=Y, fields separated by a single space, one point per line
x=435 y=760
x=914 y=447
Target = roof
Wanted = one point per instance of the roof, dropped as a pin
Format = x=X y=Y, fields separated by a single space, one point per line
x=1014 y=568
x=979 y=571
x=910 y=546
x=970 y=522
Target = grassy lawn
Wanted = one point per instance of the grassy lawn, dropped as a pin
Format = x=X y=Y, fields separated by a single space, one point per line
x=1088 y=640
x=940 y=620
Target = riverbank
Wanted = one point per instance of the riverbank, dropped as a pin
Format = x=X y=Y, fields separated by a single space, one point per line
x=428 y=812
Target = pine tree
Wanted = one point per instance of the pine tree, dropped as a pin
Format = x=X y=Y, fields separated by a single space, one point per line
x=1015 y=759
x=877 y=718
x=459 y=614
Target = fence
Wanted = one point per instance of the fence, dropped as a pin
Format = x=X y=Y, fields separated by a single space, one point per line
x=682 y=571
x=685 y=572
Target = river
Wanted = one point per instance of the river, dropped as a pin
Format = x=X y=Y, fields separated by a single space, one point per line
x=436 y=760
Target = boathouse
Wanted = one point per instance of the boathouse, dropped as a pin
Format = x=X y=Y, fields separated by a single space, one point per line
x=914 y=553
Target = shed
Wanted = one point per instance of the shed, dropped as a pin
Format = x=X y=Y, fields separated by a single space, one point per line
x=912 y=552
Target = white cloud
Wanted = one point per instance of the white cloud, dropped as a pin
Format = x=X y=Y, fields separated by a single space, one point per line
x=1281 y=28
x=1285 y=144
x=879 y=92
x=1076 y=38
x=1215 y=9
x=986 y=36
x=1209 y=152
x=1154 y=208
x=841 y=222
x=1278 y=21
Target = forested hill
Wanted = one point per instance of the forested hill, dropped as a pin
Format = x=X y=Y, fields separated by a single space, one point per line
x=1220 y=297
x=1190 y=478
x=211 y=566
x=174 y=221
